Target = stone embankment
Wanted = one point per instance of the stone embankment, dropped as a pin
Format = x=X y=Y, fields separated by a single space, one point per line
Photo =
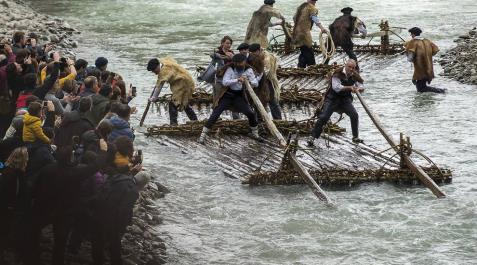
x=460 y=62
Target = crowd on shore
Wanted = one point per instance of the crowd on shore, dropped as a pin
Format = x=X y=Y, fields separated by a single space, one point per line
x=67 y=155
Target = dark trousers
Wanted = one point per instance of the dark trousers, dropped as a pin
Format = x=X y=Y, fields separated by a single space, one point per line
x=306 y=58
x=274 y=104
x=349 y=51
x=60 y=236
x=344 y=105
x=422 y=86
x=174 y=113
x=103 y=236
x=235 y=99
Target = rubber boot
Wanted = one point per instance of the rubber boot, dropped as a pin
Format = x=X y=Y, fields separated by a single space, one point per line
x=203 y=135
x=255 y=134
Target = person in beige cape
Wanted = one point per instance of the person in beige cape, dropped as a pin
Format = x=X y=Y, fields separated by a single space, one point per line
x=257 y=30
x=306 y=15
x=181 y=83
x=420 y=52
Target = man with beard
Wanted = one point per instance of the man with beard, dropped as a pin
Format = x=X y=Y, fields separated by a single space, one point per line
x=339 y=98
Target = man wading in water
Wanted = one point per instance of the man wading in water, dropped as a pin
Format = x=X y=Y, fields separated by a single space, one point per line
x=182 y=86
x=419 y=52
x=257 y=29
x=338 y=98
x=232 y=94
x=306 y=15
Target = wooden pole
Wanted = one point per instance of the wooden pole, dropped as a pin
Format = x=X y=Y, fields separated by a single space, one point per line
x=416 y=169
x=294 y=161
x=149 y=104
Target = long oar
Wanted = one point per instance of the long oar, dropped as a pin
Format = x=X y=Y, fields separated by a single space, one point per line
x=416 y=169
x=149 y=104
x=294 y=161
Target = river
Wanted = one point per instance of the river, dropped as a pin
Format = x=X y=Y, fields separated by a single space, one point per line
x=212 y=219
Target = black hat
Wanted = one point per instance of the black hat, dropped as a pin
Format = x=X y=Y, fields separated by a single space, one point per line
x=347 y=10
x=243 y=46
x=254 y=47
x=152 y=64
x=269 y=2
x=238 y=58
x=416 y=31
x=100 y=62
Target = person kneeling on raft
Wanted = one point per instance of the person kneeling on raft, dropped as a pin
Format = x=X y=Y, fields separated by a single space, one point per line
x=232 y=94
x=344 y=81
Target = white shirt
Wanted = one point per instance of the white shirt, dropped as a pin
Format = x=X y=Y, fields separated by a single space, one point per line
x=231 y=76
x=336 y=82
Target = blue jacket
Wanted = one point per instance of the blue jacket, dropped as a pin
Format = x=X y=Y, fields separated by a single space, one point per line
x=120 y=128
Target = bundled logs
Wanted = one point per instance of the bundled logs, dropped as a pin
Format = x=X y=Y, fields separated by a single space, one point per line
x=344 y=177
x=389 y=49
x=318 y=70
x=227 y=127
x=287 y=97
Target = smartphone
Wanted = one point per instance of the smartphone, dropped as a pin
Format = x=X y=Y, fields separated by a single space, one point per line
x=133 y=91
x=2 y=46
x=76 y=140
x=139 y=156
x=45 y=104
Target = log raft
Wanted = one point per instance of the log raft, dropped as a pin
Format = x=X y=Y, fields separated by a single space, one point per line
x=335 y=161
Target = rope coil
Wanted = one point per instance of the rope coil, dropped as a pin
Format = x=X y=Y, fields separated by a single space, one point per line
x=325 y=41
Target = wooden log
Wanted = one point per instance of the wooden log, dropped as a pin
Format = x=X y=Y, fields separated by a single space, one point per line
x=423 y=177
x=294 y=161
x=149 y=104
x=346 y=177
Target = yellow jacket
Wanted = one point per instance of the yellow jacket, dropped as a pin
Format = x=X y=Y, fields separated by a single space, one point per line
x=32 y=129
x=61 y=80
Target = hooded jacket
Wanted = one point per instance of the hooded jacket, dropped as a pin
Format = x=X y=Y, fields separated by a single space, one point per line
x=99 y=109
x=120 y=128
x=32 y=130
x=73 y=124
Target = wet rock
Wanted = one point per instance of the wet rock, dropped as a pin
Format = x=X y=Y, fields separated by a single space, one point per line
x=18 y=16
x=460 y=62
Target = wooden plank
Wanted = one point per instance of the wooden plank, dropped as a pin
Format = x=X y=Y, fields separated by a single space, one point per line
x=423 y=177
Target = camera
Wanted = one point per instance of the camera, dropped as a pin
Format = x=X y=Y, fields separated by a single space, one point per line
x=44 y=104
x=133 y=91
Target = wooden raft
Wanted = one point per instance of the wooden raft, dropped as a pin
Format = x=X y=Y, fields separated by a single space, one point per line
x=335 y=161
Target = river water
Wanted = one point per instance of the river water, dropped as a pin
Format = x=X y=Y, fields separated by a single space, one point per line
x=211 y=219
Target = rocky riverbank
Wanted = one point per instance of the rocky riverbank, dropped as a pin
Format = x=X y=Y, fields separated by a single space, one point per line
x=460 y=62
x=16 y=15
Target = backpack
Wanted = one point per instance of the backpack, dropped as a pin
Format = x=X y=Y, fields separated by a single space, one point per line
x=115 y=201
